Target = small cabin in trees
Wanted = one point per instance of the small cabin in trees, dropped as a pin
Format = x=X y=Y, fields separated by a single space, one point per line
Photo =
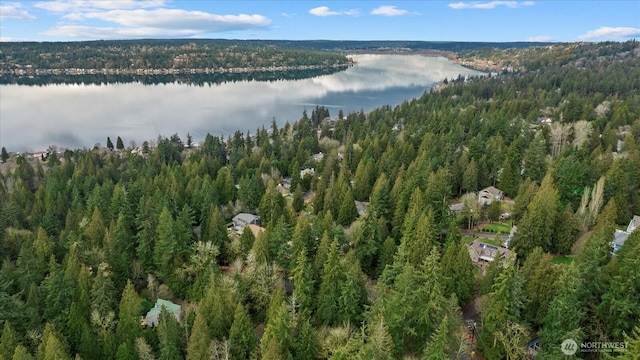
x=489 y=194
x=151 y=319
x=620 y=236
x=243 y=219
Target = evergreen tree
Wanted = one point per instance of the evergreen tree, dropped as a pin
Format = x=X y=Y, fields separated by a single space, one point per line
x=301 y=240
x=329 y=294
x=218 y=306
x=247 y=240
x=56 y=292
x=96 y=229
x=52 y=346
x=367 y=243
x=103 y=292
x=632 y=345
x=198 y=347
x=439 y=344
x=277 y=342
x=271 y=206
x=305 y=343
x=165 y=245
x=348 y=211
x=567 y=229
x=21 y=353
x=618 y=308
x=242 y=336
x=119 y=144
x=380 y=202
x=129 y=315
x=4 y=156
x=214 y=230
x=353 y=293
x=8 y=341
x=387 y=254
x=109 y=143
x=303 y=282
x=458 y=272
x=225 y=187
x=510 y=176
x=534 y=229
x=505 y=305
x=418 y=240
x=126 y=351
x=260 y=248
x=535 y=165
x=539 y=276
x=470 y=177
x=298 y=200
x=526 y=191
x=564 y=315
x=411 y=320
x=379 y=343
x=170 y=336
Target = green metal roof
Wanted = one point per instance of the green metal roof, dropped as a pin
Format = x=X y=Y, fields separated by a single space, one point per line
x=171 y=307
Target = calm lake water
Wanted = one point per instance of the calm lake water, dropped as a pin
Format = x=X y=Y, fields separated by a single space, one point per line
x=77 y=116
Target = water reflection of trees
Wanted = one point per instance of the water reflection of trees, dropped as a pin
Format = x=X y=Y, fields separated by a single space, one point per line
x=184 y=79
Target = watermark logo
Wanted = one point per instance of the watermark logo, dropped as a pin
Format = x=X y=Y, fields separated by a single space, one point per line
x=569 y=347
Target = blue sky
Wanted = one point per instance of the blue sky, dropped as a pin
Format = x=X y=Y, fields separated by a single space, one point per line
x=72 y=20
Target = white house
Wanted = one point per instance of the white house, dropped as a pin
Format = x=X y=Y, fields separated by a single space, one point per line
x=633 y=224
x=490 y=194
x=620 y=236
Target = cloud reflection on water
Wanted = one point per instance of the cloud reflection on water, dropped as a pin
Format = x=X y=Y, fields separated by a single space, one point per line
x=34 y=117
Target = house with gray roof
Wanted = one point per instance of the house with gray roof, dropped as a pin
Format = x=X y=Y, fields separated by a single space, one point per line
x=490 y=194
x=243 y=219
x=620 y=236
x=482 y=253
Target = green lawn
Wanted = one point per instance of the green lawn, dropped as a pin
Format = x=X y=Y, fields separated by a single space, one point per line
x=563 y=260
x=497 y=228
x=468 y=239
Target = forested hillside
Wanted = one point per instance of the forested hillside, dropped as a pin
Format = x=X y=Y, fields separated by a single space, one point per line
x=90 y=239
x=157 y=54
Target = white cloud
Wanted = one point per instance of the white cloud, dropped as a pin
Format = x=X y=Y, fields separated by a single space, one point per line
x=610 y=32
x=288 y=15
x=175 y=19
x=130 y=19
x=490 y=4
x=325 y=11
x=83 y=5
x=93 y=32
x=14 y=11
x=540 y=38
x=388 y=10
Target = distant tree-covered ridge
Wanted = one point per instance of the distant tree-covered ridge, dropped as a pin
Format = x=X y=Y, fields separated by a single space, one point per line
x=534 y=58
x=180 y=55
x=164 y=56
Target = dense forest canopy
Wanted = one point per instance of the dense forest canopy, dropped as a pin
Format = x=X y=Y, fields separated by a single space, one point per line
x=91 y=238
